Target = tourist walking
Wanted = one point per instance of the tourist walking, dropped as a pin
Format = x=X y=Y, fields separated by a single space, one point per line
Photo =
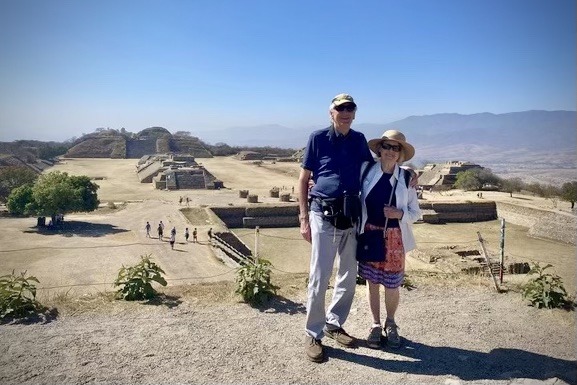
x=172 y=239
x=147 y=228
x=333 y=157
x=209 y=235
x=186 y=234
x=160 y=230
x=389 y=207
x=194 y=235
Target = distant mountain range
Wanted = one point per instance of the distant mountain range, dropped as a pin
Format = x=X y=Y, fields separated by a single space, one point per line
x=485 y=137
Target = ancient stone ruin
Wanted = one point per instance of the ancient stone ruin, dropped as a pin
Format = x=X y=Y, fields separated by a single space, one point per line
x=153 y=140
x=175 y=172
x=435 y=175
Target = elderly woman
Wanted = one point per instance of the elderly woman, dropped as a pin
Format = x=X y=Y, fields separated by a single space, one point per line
x=389 y=206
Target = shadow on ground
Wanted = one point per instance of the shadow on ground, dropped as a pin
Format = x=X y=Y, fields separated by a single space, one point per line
x=170 y=301
x=44 y=315
x=468 y=365
x=279 y=304
x=77 y=228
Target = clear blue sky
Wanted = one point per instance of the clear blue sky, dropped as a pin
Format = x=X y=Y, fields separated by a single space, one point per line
x=70 y=66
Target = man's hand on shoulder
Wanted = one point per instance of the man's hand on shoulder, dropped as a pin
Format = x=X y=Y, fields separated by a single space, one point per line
x=414 y=182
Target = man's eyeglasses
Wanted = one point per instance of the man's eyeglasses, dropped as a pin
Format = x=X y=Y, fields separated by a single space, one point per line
x=349 y=107
x=393 y=147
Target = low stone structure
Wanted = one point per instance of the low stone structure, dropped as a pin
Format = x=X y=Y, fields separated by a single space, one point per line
x=175 y=172
x=443 y=174
x=249 y=155
x=443 y=212
x=262 y=216
x=541 y=223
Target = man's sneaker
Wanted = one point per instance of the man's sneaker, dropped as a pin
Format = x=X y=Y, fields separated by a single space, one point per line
x=341 y=336
x=392 y=332
x=374 y=338
x=314 y=349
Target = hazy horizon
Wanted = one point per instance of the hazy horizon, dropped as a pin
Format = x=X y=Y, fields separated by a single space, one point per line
x=70 y=67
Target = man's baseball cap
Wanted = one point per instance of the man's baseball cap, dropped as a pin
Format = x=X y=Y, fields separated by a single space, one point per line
x=342 y=99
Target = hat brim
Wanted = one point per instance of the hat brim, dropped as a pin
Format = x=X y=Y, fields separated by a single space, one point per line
x=343 y=101
x=408 y=149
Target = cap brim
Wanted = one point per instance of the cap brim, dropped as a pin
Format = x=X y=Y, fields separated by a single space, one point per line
x=343 y=101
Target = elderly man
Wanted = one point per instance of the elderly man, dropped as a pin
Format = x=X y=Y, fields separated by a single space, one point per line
x=333 y=157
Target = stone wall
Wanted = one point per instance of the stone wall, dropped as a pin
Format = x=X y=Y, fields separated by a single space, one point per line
x=442 y=212
x=541 y=223
x=140 y=148
x=262 y=216
x=287 y=215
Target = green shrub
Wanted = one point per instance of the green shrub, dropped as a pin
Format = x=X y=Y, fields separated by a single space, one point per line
x=18 y=295
x=545 y=290
x=136 y=281
x=408 y=283
x=253 y=282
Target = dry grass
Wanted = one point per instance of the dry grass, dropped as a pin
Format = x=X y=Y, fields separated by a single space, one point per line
x=290 y=286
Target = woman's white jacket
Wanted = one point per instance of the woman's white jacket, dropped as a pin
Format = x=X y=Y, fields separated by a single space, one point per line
x=406 y=200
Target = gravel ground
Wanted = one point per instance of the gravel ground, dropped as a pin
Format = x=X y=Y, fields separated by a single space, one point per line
x=461 y=334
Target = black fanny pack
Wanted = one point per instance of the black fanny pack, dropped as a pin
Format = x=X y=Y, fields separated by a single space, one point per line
x=340 y=212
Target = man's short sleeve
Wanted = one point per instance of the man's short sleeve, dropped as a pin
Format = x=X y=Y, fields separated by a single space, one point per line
x=309 y=158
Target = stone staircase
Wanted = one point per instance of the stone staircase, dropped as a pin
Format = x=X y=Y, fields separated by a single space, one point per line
x=190 y=180
x=139 y=148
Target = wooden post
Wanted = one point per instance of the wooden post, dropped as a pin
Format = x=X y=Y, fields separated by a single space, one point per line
x=256 y=244
x=488 y=262
x=502 y=251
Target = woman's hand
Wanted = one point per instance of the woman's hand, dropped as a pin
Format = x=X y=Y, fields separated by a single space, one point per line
x=392 y=212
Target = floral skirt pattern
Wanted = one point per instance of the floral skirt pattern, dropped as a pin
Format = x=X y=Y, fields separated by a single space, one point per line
x=391 y=272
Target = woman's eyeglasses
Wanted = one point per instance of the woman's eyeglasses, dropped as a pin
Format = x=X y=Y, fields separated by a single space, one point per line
x=393 y=147
x=349 y=107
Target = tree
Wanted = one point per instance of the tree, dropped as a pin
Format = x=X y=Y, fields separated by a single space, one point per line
x=185 y=134
x=569 y=193
x=54 y=193
x=14 y=176
x=58 y=193
x=552 y=193
x=20 y=201
x=512 y=185
x=468 y=180
x=536 y=188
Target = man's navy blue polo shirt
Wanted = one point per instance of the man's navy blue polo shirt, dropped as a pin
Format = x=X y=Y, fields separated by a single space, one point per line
x=335 y=162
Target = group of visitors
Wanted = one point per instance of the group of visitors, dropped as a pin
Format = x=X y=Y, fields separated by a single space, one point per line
x=181 y=199
x=172 y=239
x=359 y=209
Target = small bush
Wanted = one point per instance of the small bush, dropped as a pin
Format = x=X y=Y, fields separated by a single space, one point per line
x=111 y=205
x=545 y=290
x=253 y=282
x=136 y=281
x=408 y=283
x=18 y=295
